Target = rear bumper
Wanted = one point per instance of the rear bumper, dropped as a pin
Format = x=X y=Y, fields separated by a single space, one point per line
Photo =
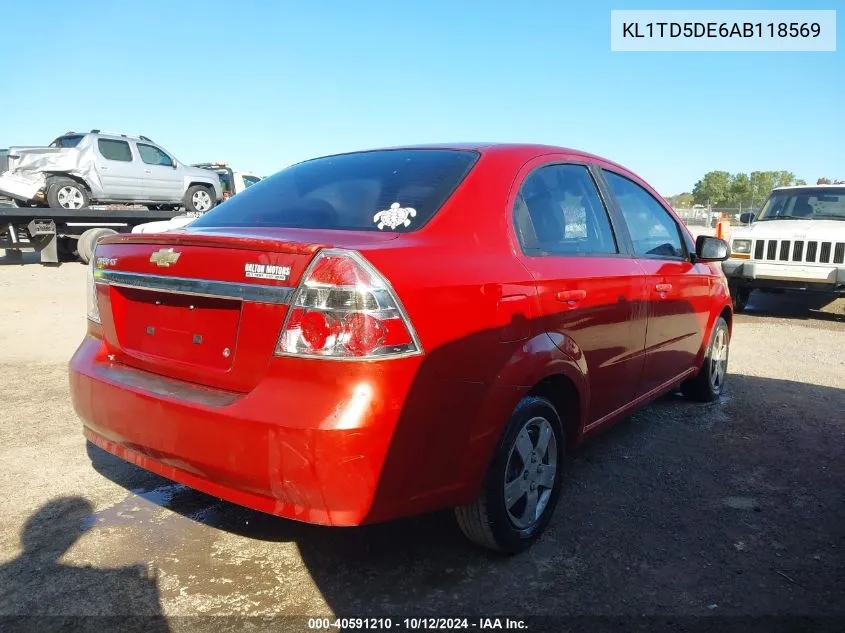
x=327 y=442
x=809 y=277
x=304 y=448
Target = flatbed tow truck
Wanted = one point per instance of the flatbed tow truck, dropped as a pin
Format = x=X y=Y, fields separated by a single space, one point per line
x=67 y=234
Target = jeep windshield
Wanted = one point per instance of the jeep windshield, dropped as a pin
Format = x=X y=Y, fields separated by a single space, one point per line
x=393 y=190
x=805 y=204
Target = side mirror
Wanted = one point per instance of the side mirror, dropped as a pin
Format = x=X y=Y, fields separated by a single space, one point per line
x=746 y=218
x=711 y=249
x=173 y=164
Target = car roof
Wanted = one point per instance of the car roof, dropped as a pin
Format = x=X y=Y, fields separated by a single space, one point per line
x=117 y=136
x=794 y=187
x=525 y=151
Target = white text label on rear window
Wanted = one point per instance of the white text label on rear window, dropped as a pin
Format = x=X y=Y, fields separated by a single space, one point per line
x=267 y=271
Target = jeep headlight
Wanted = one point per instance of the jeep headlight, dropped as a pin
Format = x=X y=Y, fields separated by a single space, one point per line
x=742 y=247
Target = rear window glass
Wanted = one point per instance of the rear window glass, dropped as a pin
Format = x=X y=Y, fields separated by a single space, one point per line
x=67 y=141
x=115 y=150
x=388 y=190
x=225 y=181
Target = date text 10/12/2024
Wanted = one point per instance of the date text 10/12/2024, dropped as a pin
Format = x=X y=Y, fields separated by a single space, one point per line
x=417 y=624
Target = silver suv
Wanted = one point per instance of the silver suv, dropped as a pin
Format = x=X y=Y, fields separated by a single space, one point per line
x=80 y=169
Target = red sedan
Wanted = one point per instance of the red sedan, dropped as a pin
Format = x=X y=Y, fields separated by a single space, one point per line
x=384 y=333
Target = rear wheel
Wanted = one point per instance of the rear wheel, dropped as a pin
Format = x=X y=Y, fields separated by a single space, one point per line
x=66 y=193
x=523 y=481
x=709 y=383
x=88 y=241
x=199 y=199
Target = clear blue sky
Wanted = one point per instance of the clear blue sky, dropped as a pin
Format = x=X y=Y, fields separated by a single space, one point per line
x=265 y=84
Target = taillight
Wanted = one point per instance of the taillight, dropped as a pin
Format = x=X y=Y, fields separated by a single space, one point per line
x=91 y=292
x=344 y=309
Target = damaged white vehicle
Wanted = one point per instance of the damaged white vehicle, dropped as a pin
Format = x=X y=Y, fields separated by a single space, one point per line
x=77 y=170
x=233 y=182
x=795 y=243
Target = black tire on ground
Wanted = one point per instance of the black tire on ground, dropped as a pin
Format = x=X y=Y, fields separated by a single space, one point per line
x=490 y=520
x=66 y=249
x=66 y=193
x=195 y=195
x=709 y=382
x=88 y=240
x=739 y=297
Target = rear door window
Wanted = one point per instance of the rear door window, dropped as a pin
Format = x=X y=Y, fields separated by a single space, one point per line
x=385 y=190
x=559 y=212
x=114 y=150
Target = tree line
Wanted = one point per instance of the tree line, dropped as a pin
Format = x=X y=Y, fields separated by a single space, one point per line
x=723 y=189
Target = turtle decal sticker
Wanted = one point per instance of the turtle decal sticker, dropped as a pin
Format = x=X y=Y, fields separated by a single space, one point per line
x=394 y=216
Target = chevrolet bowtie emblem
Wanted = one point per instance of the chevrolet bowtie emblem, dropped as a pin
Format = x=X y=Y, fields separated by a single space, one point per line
x=164 y=257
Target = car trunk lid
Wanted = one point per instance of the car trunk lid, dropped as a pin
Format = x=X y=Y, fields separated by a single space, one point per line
x=206 y=307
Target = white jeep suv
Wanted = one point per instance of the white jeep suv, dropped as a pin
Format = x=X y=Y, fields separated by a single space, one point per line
x=796 y=242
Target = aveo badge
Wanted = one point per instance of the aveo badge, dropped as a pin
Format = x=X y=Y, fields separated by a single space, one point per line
x=267 y=271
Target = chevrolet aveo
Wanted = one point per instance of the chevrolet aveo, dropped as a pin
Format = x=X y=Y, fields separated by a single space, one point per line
x=378 y=334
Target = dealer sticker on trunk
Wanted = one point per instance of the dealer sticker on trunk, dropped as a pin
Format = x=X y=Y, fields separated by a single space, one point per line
x=267 y=271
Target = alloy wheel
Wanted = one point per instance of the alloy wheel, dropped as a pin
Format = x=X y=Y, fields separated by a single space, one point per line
x=70 y=197
x=530 y=473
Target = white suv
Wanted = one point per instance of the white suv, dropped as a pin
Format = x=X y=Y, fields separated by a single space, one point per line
x=105 y=168
x=232 y=182
x=796 y=242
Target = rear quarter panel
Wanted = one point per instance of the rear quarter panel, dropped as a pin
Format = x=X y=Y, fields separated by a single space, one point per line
x=474 y=307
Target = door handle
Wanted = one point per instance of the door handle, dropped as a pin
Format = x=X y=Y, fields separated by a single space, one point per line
x=571 y=296
x=663 y=288
x=147 y=171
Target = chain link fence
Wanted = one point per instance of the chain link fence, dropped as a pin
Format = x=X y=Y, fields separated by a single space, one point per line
x=710 y=217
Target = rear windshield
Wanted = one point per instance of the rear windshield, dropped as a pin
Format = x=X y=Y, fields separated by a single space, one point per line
x=387 y=190
x=67 y=141
x=226 y=181
x=805 y=204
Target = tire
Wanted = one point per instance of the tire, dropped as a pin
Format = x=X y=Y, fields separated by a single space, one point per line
x=88 y=240
x=490 y=521
x=709 y=383
x=739 y=297
x=66 y=249
x=199 y=199
x=66 y=193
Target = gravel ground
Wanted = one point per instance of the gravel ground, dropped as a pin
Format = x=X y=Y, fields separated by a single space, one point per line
x=734 y=508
